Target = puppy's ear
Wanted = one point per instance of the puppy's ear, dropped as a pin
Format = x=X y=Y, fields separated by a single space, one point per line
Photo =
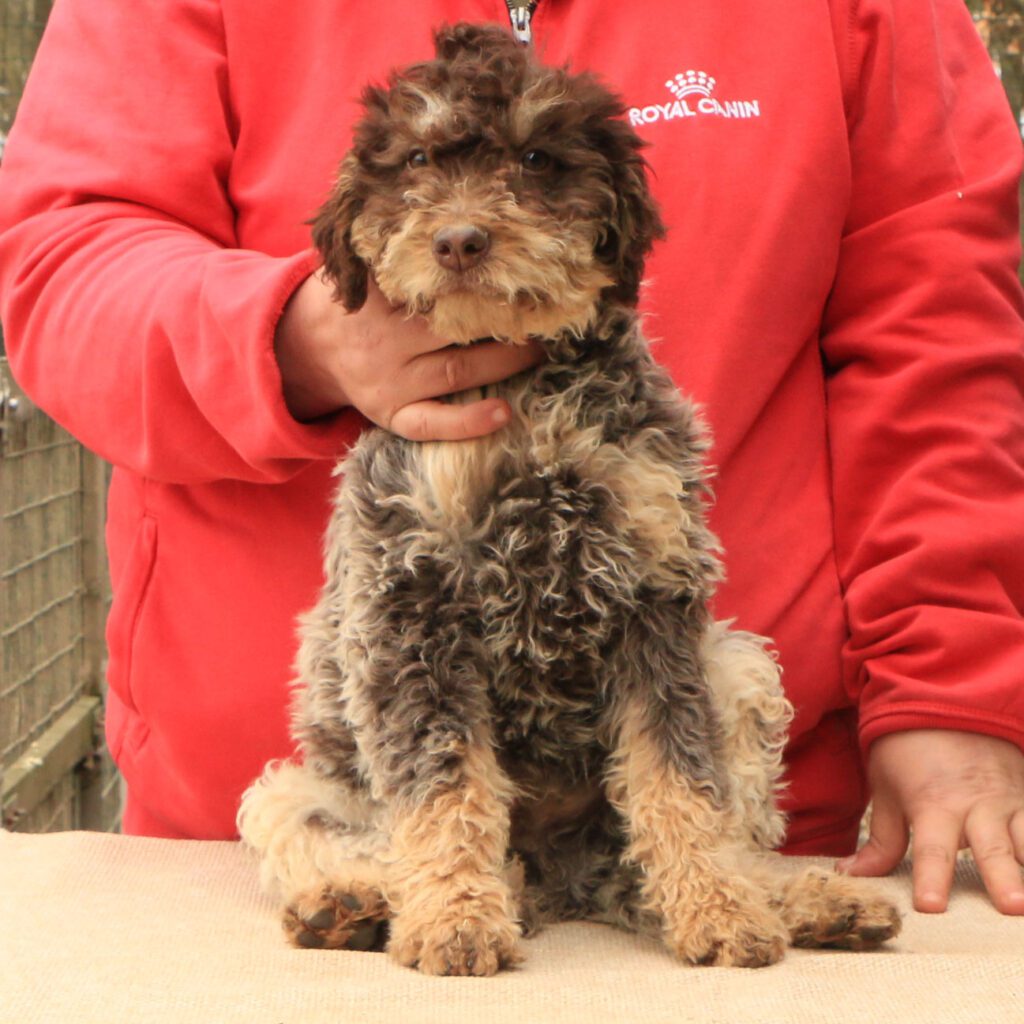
x=636 y=223
x=332 y=235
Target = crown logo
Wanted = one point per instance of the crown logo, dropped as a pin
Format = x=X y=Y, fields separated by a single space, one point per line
x=688 y=82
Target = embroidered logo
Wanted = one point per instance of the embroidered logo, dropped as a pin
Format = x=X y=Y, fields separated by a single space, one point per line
x=692 y=91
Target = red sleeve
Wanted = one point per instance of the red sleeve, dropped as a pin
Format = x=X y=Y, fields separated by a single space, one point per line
x=130 y=314
x=924 y=351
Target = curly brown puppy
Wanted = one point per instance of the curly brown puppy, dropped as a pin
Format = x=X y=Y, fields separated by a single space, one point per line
x=515 y=707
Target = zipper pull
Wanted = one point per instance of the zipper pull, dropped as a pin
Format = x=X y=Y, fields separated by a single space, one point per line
x=519 y=14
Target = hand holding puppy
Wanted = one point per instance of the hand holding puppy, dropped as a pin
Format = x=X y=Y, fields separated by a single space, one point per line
x=388 y=366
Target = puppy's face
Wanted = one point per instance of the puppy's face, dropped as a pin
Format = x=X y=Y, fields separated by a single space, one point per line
x=492 y=195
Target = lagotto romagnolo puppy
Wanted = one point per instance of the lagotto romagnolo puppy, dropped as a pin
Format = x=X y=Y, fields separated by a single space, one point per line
x=514 y=705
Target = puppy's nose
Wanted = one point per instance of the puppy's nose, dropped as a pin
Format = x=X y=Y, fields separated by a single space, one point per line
x=461 y=247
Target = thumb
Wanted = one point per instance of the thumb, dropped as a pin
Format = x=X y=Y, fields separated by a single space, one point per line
x=886 y=844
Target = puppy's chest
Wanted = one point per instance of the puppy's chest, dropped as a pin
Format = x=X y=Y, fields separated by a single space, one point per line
x=554 y=533
x=576 y=506
x=543 y=514
x=549 y=573
x=543 y=539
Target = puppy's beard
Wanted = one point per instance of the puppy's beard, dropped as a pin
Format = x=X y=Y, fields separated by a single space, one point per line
x=465 y=315
x=532 y=283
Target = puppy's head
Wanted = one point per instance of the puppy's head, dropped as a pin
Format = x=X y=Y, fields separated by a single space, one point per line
x=493 y=195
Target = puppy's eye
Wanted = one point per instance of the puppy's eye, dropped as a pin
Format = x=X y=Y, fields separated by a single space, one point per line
x=417 y=158
x=536 y=160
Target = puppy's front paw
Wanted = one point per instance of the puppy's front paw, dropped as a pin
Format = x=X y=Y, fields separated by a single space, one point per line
x=731 y=932
x=469 y=935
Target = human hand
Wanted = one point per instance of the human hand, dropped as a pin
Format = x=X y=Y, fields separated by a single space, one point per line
x=952 y=790
x=388 y=366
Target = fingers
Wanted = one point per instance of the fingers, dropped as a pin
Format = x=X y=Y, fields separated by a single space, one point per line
x=996 y=841
x=952 y=788
x=437 y=421
x=461 y=367
x=994 y=838
x=397 y=369
x=936 y=842
x=420 y=417
x=1017 y=835
x=886 y=844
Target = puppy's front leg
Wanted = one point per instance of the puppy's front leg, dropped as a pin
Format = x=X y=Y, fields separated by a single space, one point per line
x=667 y=781
x=456 y=913
x=418 y=698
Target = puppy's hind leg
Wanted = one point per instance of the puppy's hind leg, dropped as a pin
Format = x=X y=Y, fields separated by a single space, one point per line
x=821 y=908
x=746 y=691
x=818 y=906
x=323 y=856
x=668 y=780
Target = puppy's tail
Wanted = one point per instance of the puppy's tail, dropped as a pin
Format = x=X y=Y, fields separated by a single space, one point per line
x=745 y=682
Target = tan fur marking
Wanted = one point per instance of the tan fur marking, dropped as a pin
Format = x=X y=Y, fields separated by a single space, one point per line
x=436 y=114
x=745 y=683
x=465 y=316
x=536 y=99
x=822 y=908
x=320 y=846
x=538 y=279
x=281 y=818
x=650 y=496
x=458 y=474
x=455 y=911
x=709 y=915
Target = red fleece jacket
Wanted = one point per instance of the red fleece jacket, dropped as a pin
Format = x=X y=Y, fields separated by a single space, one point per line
x=838 y=289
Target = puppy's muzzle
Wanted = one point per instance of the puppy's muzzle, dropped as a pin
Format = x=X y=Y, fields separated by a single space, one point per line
x=460 y=247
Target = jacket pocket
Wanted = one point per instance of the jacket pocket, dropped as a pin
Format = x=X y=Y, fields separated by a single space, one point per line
x=122 y=624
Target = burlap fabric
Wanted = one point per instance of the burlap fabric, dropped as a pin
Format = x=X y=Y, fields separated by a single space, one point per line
x=100 y=928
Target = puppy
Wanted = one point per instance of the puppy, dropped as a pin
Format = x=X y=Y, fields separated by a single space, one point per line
x=514 y=705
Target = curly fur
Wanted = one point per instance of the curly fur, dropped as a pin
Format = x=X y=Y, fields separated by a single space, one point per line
x=514 y=704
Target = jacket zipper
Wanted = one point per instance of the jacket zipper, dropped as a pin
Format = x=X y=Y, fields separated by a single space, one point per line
x=520 y=14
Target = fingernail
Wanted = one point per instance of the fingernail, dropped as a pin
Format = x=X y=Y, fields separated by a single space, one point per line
x=1013 y=903
x=500 y=415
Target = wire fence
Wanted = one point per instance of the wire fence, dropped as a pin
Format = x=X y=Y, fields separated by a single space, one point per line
x=53 y=586
x=54 y=594
x=1001 y=26
x=21 y=27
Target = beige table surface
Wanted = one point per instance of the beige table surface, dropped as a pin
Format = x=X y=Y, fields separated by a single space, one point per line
x=143 y=931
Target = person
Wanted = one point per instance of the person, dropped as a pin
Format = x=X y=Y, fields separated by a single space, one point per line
x=837 y=289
